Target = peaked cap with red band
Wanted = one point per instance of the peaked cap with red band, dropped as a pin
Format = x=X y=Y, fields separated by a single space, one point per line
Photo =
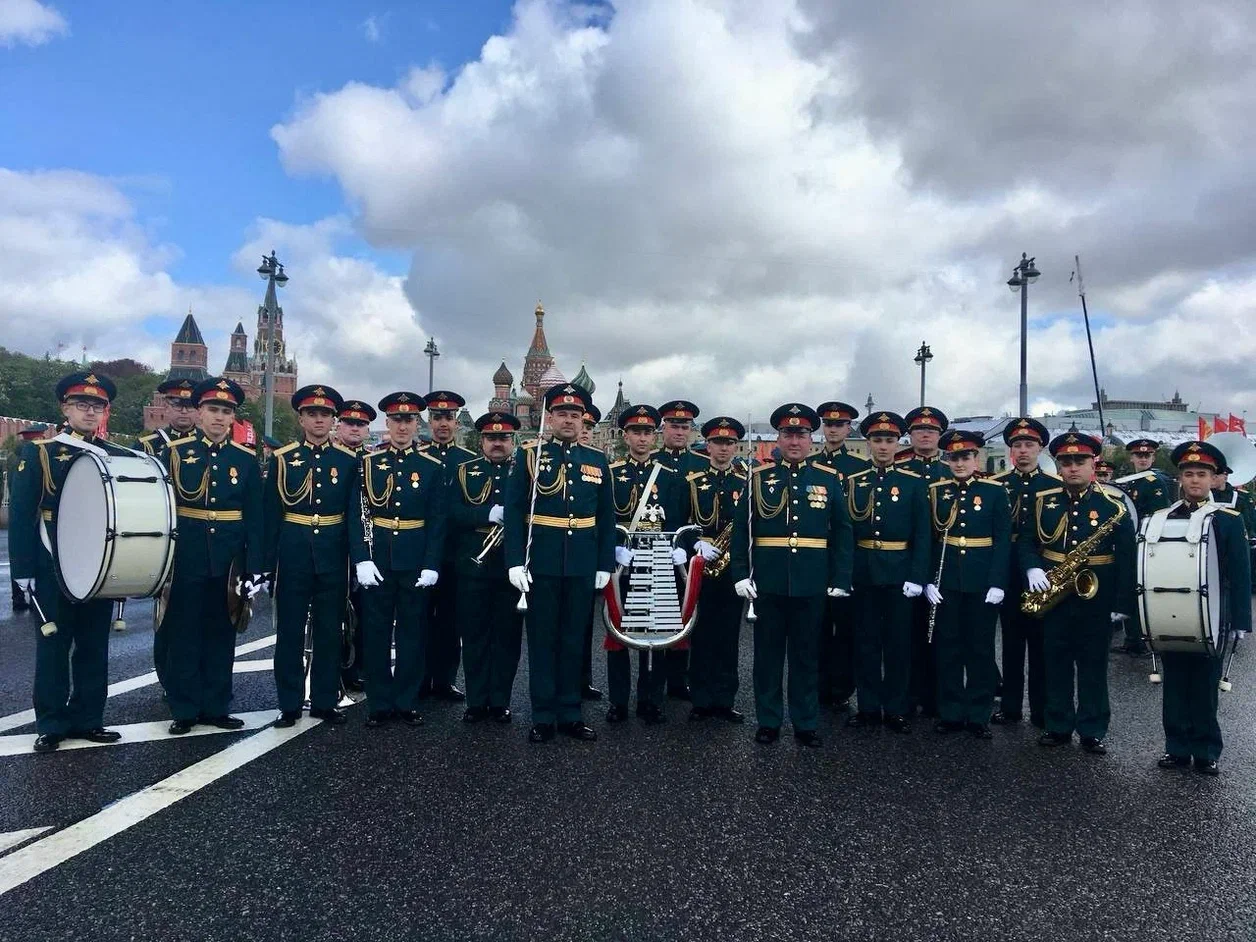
x=723 y=427
x=1075 y=443
x=497 y=423
x=835 y=411
x=956 y=440
x=1142 y=446
x=355 y=410
x=927 y=417
x=567 y=396
x=1025 y=429
x=592 y=415
x=219 y=390
x=1198 y=454
x=795 y=415
x=87 y=386
x=180 y=389
x=680 y=409
x=640 y=417
x=402 y=403
x=317 y=397
x=883 y=423
x=442 y=400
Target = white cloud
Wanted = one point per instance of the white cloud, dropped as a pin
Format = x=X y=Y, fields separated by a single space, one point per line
x=30 y=23
x=371 y=27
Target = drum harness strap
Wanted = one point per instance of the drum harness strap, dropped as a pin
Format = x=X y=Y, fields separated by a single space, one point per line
x=1194 y=529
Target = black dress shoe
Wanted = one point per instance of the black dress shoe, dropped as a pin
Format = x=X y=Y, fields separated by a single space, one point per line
x=223 y=722
x=450 y=694
x=679 y=693
x=728 y=713
x=1207 y=767
x=808 y=737
x=1055 y=739
x=590 y=693
x=47 y=742
x=287 y=718
x=377 y=719
x=409 y=717
x=580 y=731
x=767 y=735
x=501 y=714
x=616 y=714
x=475 y=714
x=653 y=715
x=355 y=685
x=1002 y=718
x=99 y=734
x=947 y=726
x=332 y=717
x=541 y=732
x=979 y=731
x=180 y=727
x=1170 y=761
x=862 y=719
x=898 y=724
x=699 y=714
x=1094 y=746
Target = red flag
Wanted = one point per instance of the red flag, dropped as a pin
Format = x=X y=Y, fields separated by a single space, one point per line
x=1237 y=424
x=242 y=432
x=102 y=430
x=1204 y=429
x=1219 y=425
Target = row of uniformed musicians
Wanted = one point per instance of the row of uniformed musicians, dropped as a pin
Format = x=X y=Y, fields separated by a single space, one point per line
x=844 y=558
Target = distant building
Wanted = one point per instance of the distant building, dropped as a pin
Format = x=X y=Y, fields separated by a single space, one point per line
x=188 y=358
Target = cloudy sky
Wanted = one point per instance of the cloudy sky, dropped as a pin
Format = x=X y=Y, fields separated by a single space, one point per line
x=736 y=202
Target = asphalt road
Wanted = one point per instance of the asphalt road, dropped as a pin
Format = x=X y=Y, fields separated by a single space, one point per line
x=684 y=831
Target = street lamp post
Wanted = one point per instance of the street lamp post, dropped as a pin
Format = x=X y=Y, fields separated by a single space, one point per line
x=431 y=353
x=1023 y=275
x=923 y=356
x=271 y=272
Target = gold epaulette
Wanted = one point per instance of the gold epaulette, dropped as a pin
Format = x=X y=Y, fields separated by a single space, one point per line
x=1052 y=490
x=348 y=451
x=1000 y=475
x=284 y=449
x=914 y=474
x=824 y=467
x=940 y=483
x=1229 y=510
x=244 y=448
x=691 y=476
x=181 y=441
x=859 y=474
x=767 y=465
x=618 y=463
x=150 y=436
x=430 y=458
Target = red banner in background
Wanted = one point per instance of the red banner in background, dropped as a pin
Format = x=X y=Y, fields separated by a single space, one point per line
x=1219 y=425
x=1204 y=429
x=1237 y=424
x=242 y=432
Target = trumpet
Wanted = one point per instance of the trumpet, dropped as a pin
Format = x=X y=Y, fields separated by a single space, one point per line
x=492 y=540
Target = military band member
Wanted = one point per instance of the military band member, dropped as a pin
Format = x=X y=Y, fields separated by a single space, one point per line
x=490 y=625
x=1076 y=631
x=218 y=493
x=1236 y=498
x=678 y=416
x=72 y=661
x=972 y=527
x=714 y=498
x=889 y=510
x=352 y=425
x=443 y=649
x=1104 y=470
x=558 y=553
x=592 y=416
x=837 y=634
x=1191 y=731
x=1150 y=489
x=1022 y=634
x=310 y=497
x=398 y=560
x=666 y=507
x=800 y=538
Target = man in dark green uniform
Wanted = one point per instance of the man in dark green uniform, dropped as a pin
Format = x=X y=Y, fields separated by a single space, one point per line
x=889 y=510
x=443 y=649
x=1190 y=684
x=352 y=426
x=560 y=549
x=1075 y=632
x=1151 y=490
x=648 y=496
x=714 y=498
x=678 y=416
x=489 y=623
x=397 y=546
x=218 y=493
x=972 y=528
x=592 y=416
x=311 y=494
x=1022 y=634
x=1236 y=498
x=72 y=648
x=837 y=634
x=791 y=550
x=1104 y=470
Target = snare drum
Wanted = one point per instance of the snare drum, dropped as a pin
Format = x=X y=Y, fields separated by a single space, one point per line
x=115 y=527
x=1179 y=585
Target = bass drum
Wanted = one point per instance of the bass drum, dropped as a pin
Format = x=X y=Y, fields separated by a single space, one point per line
x=116 y=525
x=1179 y=585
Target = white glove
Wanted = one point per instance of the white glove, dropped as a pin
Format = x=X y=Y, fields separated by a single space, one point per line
x=679 y=557
x=519 y=578
x=836 y=593
x=912 y=590
x=1037 y=580
x=745 y=588
x=254 y=584
x=27 y=585
x=368 y=574
x=427 y=578
x=994 y=597
x=709 y=551
x=623 y=556
x=932 y=594
x=1117 y=616
x=496 y=513
x=601 y=580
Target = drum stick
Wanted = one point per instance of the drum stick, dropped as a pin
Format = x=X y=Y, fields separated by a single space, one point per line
x=1225 y=685
x=48 y=628
x=1154 y=676
x=119 y=623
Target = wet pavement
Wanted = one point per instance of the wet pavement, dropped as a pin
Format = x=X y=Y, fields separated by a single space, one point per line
x=684 y=831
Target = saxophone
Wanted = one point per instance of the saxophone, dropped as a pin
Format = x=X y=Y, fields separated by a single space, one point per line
x=722 y=542
x=1072 y=574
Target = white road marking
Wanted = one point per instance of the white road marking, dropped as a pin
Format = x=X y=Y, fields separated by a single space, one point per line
x=252 y=667
x=136 y=732
x=13 y=838
x=14 y=720
x=55 y=849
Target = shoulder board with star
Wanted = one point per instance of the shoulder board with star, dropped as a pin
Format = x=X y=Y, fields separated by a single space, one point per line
x=828 y=469
x=618 y=463
x=909 y=473
x=943 y=482
x=859 y=474
x=692 y=475
x=348 y=451
x=182 y=441
x=424 y=454
x=284 y=449
x=1049 y=492
x=766 y=466
x=463 y=464
x=244 y=448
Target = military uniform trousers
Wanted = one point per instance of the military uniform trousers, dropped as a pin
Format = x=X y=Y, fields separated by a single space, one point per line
x=963 y=645
x=396 y=612
x=837 y=652
x=354 y=672
x=301 y=593
x=79 y=650
x=882 y=648
x=1022 y=640
x=443 y=649
x=587 y=652
x=492 y=638
x=1075 y=644
x=714 y=644
x=161 y=648
x=199 y=647
x=1190 y=705
x=788 y=628
x=924 y=683
x=558 y=608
